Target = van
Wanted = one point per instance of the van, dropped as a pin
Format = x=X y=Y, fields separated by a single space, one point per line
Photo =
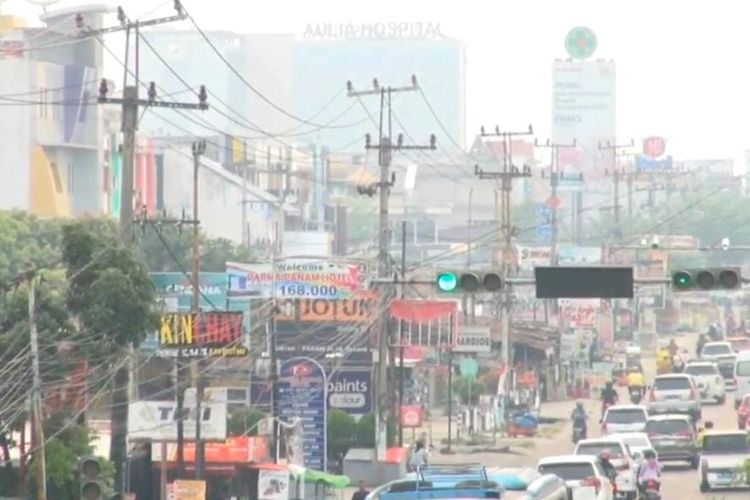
x=741 y=376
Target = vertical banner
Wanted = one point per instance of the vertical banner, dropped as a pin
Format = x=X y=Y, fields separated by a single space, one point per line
x=303 y=395
x=273 y=484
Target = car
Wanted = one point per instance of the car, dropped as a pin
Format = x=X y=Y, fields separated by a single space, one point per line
x=638 y=443
x=674 y=393
x=675 y=438
x=583 y=475
x=624 y=418
x=741 y=375
x=739 y=344
x=620 y=457
x=726 y=364
x=723 y=455
x=712 y=350
x=743 y=413
x=546 y=487
x=708 y=379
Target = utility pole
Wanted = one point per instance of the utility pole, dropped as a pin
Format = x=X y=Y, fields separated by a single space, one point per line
x=131 y=103
x=385 y=149
x=506 y=176
x=616 y=175
x=199 y=149
x=36 y=399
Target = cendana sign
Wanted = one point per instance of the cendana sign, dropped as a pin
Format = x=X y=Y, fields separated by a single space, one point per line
x=157 y=421
x=473 y=339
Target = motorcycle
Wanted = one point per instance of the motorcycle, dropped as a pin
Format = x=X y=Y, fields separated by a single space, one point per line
x=579 y=430
x=650 y=491
x=636 y=394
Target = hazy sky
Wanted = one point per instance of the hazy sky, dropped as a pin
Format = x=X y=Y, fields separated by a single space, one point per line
x=682 y=67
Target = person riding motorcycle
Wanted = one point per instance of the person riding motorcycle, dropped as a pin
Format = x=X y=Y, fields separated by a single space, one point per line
x=677 y=364
x=663 y=362
x=636 y=384
x=609 y=397
x=650 y=471
x=606 y=462
x=580 y=419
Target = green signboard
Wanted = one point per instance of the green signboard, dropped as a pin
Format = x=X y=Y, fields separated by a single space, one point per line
x=580 y=43
x=175 y=291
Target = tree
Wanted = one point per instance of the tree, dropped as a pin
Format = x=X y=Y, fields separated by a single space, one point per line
x=111 y=294
x=244 y=422
x=26 y=239
x=341 y=433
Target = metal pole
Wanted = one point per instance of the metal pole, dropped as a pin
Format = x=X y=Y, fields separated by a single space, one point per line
x=199 y=148
x=450 y=393
x=401 y=339
x=274 y=365
x=39 y=451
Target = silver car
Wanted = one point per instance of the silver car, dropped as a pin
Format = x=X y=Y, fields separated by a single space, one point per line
x=674 y=393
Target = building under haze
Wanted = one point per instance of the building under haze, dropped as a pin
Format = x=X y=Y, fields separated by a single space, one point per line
x=50 y=130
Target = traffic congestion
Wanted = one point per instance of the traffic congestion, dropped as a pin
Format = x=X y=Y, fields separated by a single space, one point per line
x=675 y=426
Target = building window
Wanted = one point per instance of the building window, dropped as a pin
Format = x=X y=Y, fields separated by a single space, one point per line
x=56 y=177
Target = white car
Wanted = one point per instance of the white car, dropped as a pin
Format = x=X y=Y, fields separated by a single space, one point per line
x=583 y=474
x=624 y=418
x=620 y=457
x=723 y=454
x=711 y=386
x=638 y=443
x=713 y=350
x=741 y=373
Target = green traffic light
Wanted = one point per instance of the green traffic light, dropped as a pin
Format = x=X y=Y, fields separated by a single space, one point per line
x=447 y=282
x=682 y=280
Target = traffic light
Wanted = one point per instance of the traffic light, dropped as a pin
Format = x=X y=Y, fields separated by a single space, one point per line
x=90 y=469
x=468 y=281
x=688 y=280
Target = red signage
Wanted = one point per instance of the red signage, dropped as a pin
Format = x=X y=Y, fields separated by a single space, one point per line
x=411 y=416
x=202 y=330
x=554 y=202
x=654 y=147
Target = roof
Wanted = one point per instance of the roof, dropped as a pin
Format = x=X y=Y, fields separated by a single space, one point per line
x=627 y=407
x=672 y=375
x=670 y=416
x=575 y=459
x=724 y=433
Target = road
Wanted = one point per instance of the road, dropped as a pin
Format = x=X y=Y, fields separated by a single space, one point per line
x=680 y=482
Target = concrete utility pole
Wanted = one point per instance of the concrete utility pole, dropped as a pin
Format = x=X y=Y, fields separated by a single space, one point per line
x=385 y=149
x=36 y=398
x=131 y=102
x=506 y=176
x=617 y=173
x=199 y=149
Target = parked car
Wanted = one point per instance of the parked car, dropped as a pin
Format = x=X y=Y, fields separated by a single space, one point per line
x=723 y=455
x=708 y=379
x=674 y=393
x=620 y=457
x=741 y=374
x=546 y=487
x=624 y=418
x=675 y=438
x=583 y=475
x=743 y=413
x=739 y=344
x=726 y=364
x=713 y=350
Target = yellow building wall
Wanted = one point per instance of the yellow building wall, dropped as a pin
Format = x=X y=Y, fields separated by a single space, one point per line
x=49 y=196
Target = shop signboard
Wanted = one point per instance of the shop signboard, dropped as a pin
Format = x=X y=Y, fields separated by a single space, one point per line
x=357 y=309
x=205 y=335
x=473 y=339
x=350 y=390
x=175 y=291
x=157 y=421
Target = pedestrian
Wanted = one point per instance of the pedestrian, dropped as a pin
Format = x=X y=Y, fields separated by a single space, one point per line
x=362 y=492
x=418 y=457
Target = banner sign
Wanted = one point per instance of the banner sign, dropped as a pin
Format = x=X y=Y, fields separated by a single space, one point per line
x=298 y=279
x=573 y=255
x=157 y=421
x=175 y=291
x=304 y=337
x=531 y=257
x=473 y=339
x=579 y=313
x=357 y=309
x=350 y=390
x=273 y=484
x=182 y=489
x=303 y=395
x=209 y=334
x=411 y=417
x=235 y=450
x=644 y=164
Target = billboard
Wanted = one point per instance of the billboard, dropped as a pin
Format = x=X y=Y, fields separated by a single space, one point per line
x=297 y=279
x=157 y=421
x=583 y=110
x=574 y=256
x=311 y=338
x=210 y=334
x=350 y=390
x=175 y=291
x=303 y=394
x=235 y=450
x=358 y=309
x=531 y=257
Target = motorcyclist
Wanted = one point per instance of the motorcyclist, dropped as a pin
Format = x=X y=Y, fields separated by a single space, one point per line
x=580 y=419
x=677 y=364
x=636 y=379
x=609 y=396
x=650 y=471
x=673 y=348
